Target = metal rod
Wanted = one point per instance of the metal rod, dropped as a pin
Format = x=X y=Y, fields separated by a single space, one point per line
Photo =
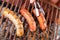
x=45 y=6
x=47 y=36
x=56 y=33
x=41 y=9
x=56 y=23
x=14 y=37
x=51 y=4
x=24 y=4
x=16 y=5
x=48 y=12
x=32 y=8
x=28 y=35
x=28 y=5
x=56 y=15
x=1 y=20
x=51 y=16
x=33 y=38
x=19 y=6
x=3 y=28
x=2 y=5
x=7 y=3
x=41 y=3
x=7 y=33
x=50 y=21
x=7 y=30
x=11 y=31
x=12 y=5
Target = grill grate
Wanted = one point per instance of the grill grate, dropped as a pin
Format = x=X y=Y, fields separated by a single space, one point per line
x=8 y=30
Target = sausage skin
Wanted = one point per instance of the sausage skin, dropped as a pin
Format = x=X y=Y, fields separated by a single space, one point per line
x=41 y=20
x=29 y=18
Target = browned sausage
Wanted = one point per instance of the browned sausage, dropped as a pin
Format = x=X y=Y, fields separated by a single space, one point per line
x=42 y=21
x=30 y=19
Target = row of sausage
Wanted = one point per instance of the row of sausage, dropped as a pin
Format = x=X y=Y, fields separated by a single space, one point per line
x=29 y=18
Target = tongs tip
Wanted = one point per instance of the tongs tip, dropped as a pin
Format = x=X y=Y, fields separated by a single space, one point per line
x=41 y=9
x=36 y=9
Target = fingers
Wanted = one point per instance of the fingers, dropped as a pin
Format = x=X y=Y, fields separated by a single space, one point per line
x=54 y=1
x=32 y=1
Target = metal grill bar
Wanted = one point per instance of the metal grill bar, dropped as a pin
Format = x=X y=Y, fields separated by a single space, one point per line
x=19 y=6
x=2 y=5
x=12 y=5
x=16 y=5
x=7 y=4
x=53 y=5
x=45 y=35
x=56 y=23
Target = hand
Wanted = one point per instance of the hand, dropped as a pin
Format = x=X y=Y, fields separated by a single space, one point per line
x=31 y=1
x=54 y=1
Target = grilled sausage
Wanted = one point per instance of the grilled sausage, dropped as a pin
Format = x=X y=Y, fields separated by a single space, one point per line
x=16 y=21
x=42 y=21
x=29 y=18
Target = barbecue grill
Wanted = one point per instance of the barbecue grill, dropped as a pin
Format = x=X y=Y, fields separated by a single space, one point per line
x=52 y=16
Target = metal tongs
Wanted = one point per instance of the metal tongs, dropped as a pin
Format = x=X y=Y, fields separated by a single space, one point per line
x=36 y=9
x=40 y=9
